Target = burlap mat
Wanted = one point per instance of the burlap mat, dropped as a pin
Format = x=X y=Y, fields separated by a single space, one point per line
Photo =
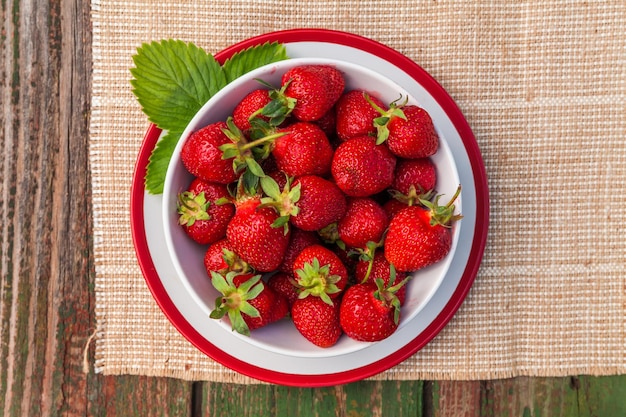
x=543 y=86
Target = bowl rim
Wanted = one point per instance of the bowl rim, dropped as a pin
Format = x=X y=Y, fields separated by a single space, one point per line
x=204 y=117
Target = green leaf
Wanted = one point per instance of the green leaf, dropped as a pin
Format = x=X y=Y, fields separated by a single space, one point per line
x=158 y=162
x=172 y=81
x=252 y=58
x=270 y=187
x=255 y=168
x=250 y=182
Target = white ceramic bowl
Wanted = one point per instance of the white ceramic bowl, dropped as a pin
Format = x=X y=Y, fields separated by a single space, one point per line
x=187 y=256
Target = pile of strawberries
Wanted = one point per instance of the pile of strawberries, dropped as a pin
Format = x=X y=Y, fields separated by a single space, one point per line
x=315 y=203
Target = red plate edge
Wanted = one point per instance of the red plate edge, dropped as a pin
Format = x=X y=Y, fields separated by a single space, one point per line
x=471 y=269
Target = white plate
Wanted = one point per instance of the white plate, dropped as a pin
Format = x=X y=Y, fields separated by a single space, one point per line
x=231 y=349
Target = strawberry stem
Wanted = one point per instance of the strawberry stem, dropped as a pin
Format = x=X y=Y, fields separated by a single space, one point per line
x=442 y=215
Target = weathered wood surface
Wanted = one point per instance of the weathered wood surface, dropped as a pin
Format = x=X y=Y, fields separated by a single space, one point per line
x=47 y=272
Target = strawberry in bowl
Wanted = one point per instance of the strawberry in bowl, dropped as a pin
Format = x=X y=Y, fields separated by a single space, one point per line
x=313 y=153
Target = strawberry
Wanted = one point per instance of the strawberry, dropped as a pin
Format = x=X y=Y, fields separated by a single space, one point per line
x=202 y=218
x=413 y=136
x=316 y=89
x=419 y=173
x=317 y=321
x=327 y=123
x=368 y=270
x=420 y=236
x=249 y=107
x=362 y=168
x=283 y=283
x=370 y=312
x=321 y=203
x=202 y=156
x=300 y=239
x=303 y=149
x=221 y=258
x=249 y=304
x=414 y=179
x=393 y=207
x=319 y=272
x=355 y=115
x=365 y=221
x=253 y=238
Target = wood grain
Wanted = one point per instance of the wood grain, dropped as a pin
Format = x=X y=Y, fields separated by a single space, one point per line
x=47 y=271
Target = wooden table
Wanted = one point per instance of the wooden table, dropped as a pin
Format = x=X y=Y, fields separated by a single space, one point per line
x=47 y=272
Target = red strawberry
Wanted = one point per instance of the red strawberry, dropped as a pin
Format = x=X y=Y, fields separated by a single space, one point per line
x=321 y=203
x=365 y=221
x=300 y=239
x=201 y=217
x=379 y=267
x=361 y=168
x=249 y=304
x=254 y=239
x=283 y=283
x=316 y=89
x=393 y=207
x=249 y=106
x=221 y=258
x=420 y=236
x=327 y=123
x=202 y=157
x=317 y=321
x=304 y=149
x=413 y=137
x=370 y=312
x=319 y=272
x=419 y=174
x=355 y=115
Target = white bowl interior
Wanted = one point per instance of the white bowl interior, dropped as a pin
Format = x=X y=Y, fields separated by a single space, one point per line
x=187 y=256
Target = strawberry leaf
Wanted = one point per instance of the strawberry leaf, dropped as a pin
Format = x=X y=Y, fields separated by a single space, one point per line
x=172 y=80
x=158 y=162
x=253 y=57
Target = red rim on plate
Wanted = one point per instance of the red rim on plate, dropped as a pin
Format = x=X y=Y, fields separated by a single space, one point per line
x=476 y=252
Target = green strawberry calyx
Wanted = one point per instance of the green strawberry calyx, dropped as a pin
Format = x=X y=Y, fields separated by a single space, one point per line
x=234 y=299
x=284 y=202
x=234 y=263
x=381 y=122
x=246 y=154
x=280 y=106
x=316 y=280
x=387 y=294
x=330 y=234
x=443 y=215
x=192 y=207
x=413 y=196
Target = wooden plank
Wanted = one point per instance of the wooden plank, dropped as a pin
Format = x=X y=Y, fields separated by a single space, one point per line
x=532 y=397
x=133 y=396
x=456 y=398
x=601 y=396
x=359 y=399
x=526 y=396
x=47 y=272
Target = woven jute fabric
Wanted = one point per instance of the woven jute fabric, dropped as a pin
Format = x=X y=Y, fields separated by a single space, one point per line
x=543 y=87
